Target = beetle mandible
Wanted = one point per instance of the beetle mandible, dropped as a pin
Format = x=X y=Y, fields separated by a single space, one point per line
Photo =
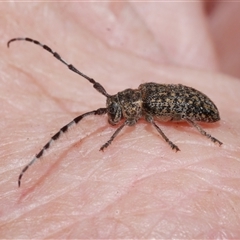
x=164 y=102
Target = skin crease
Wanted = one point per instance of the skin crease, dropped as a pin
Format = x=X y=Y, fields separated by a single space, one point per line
x=139 y=187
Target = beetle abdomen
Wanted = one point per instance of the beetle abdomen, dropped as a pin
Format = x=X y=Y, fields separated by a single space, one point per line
x=176 y=102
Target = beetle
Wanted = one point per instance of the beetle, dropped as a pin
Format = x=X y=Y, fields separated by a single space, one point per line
x=152 y=101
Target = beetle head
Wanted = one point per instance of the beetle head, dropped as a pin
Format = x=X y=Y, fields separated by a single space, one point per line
x=114 y=110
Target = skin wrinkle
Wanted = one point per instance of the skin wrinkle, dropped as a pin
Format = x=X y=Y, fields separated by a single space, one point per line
x=81 y=199
x=39 y=87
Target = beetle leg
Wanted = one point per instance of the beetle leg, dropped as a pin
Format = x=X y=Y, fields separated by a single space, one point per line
x=204 y=133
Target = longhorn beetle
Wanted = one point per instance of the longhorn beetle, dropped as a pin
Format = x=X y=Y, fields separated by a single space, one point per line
x=164 y=102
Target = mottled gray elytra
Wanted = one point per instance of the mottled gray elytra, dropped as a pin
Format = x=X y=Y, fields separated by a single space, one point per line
x=164 y=102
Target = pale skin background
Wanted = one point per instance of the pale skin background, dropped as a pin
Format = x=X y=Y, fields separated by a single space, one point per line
x=139 y=187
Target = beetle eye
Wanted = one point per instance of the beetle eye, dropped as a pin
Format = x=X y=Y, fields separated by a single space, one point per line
x=112 y=109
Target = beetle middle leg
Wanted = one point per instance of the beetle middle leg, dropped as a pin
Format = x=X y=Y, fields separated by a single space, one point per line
x=172 y=145
x=149 y=119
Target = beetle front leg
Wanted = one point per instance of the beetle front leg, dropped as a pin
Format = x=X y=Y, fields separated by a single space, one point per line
x=112 y=137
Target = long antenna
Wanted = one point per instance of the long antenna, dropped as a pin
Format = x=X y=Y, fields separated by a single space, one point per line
x=96 y=85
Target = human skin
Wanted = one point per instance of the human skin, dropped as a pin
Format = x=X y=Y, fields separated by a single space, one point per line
x=138 y=187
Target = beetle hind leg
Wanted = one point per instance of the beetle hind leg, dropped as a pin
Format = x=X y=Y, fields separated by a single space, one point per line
x=204 y=133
